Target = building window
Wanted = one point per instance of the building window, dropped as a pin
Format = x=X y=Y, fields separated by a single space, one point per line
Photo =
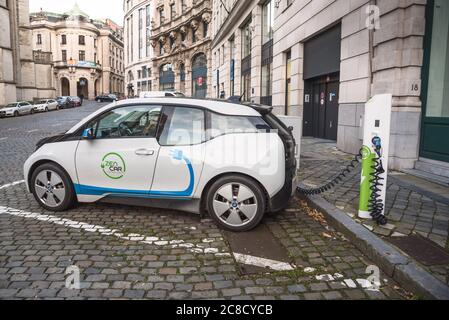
x=144 y=72
x=288 y=82
x=39 y=39
x=64 y=55
x=172 y=11
x=139 y=74
x=232 y=66
x=268 y=21
x=63 y=39
x=199 y=76
x=142 y=48
x=193 y=36
x=161 y=15
x=246 y=39
x=82 y=55
x=161 y=48
x=267 y=52
x=166 y=77
x=148 y=30
x=205 y=29
x=81 y=40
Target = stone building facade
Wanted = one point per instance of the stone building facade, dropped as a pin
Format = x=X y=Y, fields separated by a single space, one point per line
x=323 y=60
x=168 y=46
x=88 y=55
x=24 y=75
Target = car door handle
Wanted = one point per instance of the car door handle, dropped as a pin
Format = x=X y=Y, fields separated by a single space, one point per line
x=144 y=152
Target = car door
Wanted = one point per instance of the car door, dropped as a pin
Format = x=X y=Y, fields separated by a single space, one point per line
x=24 y=108
x=121 y=157
x=182 y=151
x=52 y=105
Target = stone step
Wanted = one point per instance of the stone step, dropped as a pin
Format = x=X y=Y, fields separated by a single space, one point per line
x=441 y=180
x=433 y=167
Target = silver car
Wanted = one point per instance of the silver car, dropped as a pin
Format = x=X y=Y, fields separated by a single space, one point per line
x=16 y=109
x=46 y=105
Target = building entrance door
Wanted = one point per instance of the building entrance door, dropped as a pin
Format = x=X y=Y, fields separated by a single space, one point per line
x=321 y=107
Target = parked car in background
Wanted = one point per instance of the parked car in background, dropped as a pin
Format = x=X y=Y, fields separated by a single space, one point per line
x=106 y=98
x=16 y=109
x=76 y=101
x=46 y=105
x=160 y=94
x=62 y=102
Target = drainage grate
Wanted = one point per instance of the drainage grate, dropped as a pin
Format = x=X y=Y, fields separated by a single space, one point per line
x=422 y=249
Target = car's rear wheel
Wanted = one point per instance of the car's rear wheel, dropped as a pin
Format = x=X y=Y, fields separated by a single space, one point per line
x=32 y=111
x=52 y=188
x=236 y=203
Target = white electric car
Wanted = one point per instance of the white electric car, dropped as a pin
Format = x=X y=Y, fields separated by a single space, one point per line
x=235 y=162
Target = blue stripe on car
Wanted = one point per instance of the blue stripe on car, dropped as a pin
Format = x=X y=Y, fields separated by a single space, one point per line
x=100 y=191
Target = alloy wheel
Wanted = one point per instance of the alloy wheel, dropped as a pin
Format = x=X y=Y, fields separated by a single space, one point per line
x=50 y=188
x=235 y=204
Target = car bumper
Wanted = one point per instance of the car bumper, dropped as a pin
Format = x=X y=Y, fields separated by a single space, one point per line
x=280 y=201
x=4 y=115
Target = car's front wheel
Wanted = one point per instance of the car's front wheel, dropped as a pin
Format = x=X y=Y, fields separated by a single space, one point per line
x=16 y=113
x=52 y=188
x=236 y=203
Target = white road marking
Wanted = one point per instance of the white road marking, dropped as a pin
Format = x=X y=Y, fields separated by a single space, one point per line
x=262 y=262
x=2 y=139
x=31 y=131
x=12 y=184
x=196 y=248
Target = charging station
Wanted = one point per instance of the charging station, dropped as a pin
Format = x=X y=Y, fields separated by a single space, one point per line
x=375 y=151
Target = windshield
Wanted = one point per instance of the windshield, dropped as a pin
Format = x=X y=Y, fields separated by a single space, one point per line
x=11 y=105
x=42 y=102
x=179 y=94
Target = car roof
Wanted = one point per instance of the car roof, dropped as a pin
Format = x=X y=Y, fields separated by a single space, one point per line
x=218 y=106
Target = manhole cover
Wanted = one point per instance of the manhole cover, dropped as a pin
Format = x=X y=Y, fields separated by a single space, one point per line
x=422 y=249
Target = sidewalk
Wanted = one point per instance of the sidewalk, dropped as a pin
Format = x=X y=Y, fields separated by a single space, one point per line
x=417 y=210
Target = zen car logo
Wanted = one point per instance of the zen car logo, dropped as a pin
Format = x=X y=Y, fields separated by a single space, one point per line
x=113 y=166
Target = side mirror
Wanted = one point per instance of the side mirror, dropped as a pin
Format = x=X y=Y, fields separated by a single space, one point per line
x=88 y=134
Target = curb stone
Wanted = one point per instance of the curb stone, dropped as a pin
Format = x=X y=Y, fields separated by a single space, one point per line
x=394 y=263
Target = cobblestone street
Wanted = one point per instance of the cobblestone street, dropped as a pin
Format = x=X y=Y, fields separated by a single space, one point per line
x=138 y=253
x=412 y=208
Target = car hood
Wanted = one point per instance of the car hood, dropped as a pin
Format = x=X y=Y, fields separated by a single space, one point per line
x=8 y=109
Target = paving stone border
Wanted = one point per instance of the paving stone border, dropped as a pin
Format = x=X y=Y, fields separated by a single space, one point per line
x=394 y=263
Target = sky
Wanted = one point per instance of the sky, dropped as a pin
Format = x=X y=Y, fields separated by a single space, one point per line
x=96 y=9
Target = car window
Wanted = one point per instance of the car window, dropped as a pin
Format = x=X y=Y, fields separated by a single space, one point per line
x=22 y=104
x=222 y=124
x=182 y=126
x=134 y=121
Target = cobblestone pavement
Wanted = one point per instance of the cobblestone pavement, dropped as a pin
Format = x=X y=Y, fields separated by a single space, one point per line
x=139 y=253
x=409 y=211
